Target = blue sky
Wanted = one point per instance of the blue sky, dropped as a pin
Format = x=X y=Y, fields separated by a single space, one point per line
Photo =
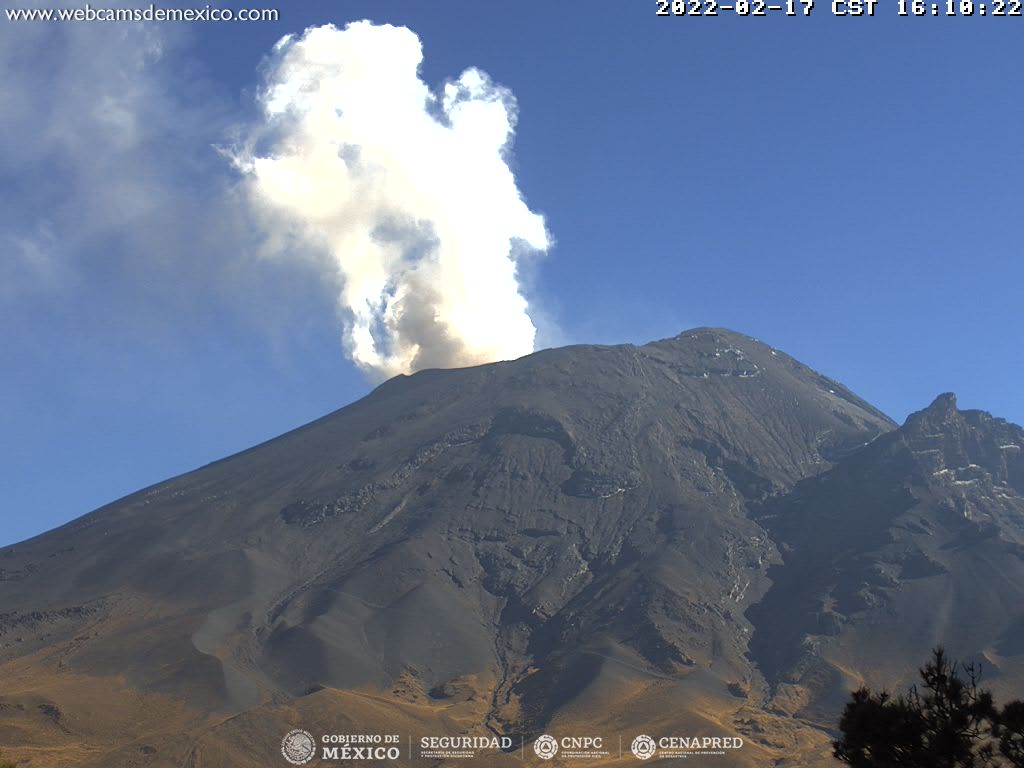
x=846 y=189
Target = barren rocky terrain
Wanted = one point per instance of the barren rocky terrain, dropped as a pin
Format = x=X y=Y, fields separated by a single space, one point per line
x=698 y=535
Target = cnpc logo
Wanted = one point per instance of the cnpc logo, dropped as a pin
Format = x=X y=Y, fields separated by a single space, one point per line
x=546 y=747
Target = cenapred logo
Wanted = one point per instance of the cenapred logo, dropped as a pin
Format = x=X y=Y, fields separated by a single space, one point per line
x=643 y=747
x=546 y=747
x=298 y=747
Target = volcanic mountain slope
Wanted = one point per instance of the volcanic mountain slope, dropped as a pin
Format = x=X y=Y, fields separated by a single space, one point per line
x=914 y=541
x=619 y=539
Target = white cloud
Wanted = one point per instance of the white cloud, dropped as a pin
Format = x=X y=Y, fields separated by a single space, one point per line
x=406 y=194
x=120 y=211
x=108 y=165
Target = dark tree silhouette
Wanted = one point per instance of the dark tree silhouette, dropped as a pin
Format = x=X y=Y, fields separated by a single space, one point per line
x=1010 y=730
x=949 y=722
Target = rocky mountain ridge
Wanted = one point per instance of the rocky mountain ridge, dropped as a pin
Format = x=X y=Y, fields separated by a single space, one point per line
x=588 y=536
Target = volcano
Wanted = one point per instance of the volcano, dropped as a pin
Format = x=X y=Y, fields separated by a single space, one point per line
x=698 y=536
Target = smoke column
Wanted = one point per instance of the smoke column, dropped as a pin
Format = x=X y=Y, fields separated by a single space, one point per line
x=406 y=194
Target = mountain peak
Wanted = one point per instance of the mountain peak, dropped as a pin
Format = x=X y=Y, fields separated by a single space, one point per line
x=942 y=412
x=944 y=403
x=523 y=535
x=710 y=334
